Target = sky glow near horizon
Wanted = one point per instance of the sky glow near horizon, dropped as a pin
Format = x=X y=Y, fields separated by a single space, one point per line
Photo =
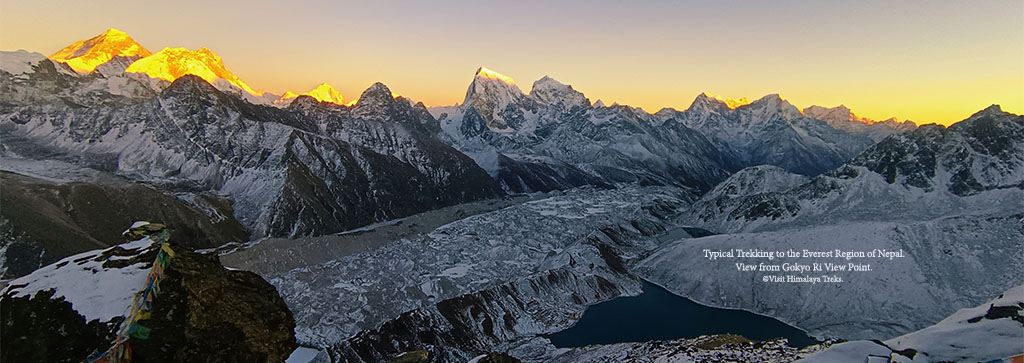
x=927 y=61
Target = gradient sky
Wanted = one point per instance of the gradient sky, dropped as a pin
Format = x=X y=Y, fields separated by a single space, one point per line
x=927 y=61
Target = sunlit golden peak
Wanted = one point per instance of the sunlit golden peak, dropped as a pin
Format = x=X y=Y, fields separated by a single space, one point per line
x=323 y=93
x=112 y=33
x=491 y=74
x=85 y=55
x=171 y=63
x=732 y=103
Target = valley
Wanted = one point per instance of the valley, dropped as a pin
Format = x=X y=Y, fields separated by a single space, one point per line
x=537 y=225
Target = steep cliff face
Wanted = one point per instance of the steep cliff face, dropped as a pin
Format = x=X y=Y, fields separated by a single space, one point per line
x=200 y=311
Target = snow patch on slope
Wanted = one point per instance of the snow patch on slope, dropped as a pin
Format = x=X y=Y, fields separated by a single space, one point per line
x=94 y=291
x=990 y=331
x=19 y=61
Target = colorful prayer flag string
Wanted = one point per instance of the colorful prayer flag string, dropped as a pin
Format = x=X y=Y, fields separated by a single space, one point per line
x=142 y=305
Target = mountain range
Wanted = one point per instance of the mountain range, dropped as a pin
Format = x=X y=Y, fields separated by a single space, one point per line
x=310 y=164
x=488 y=225
x=949 y=198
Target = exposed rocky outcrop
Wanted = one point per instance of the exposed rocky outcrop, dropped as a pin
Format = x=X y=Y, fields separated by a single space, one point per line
x=201 y=313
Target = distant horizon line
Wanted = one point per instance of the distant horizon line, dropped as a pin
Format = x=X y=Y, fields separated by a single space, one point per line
x=724 y=100
x=732 y=103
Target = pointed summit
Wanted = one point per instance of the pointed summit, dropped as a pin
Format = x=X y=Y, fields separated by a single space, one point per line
x=491 y=94
x=769 y=107
x=85 y=55
x=490 y=85
x=484 y=72
x=171 y=63
x=549 y=91
x=706 y=103
x=377 y=95
x=323 y=93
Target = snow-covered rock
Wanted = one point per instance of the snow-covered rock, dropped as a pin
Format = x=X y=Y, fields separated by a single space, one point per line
x=928 y=173
x=169 y=64
x=87 y=55
x=307 y=170
x=949 y=198
x=322 y=92
x=755 y=180
x=69 y=310
x=554 y=139
x=499 y=102
x=843 y=118
x=95 y=289
x=19 y=61
x=551 y=92
x=992 y=331
x=770 y=131
x=948 y=263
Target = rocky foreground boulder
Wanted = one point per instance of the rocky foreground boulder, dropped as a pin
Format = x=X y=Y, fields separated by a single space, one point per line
x=199 y=311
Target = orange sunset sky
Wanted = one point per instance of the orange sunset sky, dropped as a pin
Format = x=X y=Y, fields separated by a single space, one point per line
x=927 y=61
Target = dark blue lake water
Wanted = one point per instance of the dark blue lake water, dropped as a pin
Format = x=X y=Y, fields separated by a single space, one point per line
x=657 y=314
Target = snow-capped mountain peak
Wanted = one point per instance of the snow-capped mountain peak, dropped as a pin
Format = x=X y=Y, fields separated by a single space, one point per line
x=85 y=55
x=377 y=97
x=772 y=106
x=706 y=103
x=496 y=98
x=832 y=115
x=841 y=117
x=19 y=61
x=171 y=63
x=323 y=93
x=487 y=73
x=552 y=92
x=489 y=84
x=731 y=103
